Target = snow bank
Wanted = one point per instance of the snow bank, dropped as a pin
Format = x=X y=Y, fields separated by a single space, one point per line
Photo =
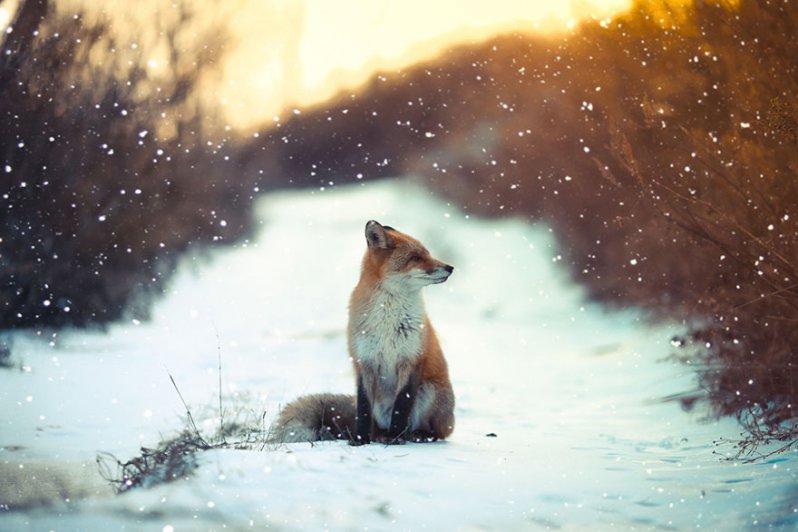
x=559 y=418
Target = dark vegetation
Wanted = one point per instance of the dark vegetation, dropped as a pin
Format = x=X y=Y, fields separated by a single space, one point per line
x=109 y=171
x=661 y=147
x=176 y=458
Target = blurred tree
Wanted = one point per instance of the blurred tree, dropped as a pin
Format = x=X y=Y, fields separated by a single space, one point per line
x=27 y=19
x=110 y=171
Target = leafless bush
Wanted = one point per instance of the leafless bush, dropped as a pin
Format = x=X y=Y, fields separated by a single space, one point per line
x=110 y=172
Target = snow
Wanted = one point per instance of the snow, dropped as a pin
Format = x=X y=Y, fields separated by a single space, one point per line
x=560 y=422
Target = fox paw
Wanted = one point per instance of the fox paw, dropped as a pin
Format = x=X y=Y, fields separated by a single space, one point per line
x=387 y=439
x=357 y=441
x=420 y=436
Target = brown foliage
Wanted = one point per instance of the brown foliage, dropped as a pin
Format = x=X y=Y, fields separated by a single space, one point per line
x=108 y=174
x=662 y=153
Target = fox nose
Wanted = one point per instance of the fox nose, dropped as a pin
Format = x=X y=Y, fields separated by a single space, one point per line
x=448 y=268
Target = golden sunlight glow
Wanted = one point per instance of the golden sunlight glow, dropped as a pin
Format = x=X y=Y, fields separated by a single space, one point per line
x=300 y=53
x=669 y=13
x=297 y=53
x=6 y=11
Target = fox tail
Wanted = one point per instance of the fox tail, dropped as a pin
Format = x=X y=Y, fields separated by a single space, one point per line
x=316 y=417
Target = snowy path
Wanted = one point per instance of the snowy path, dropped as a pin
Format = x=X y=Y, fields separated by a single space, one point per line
x=570 y=392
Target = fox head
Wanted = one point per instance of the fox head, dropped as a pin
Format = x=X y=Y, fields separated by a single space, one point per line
x=399 y=259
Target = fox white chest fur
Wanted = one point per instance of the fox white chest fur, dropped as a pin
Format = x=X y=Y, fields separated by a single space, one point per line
x=390 y=329
x=388 y=333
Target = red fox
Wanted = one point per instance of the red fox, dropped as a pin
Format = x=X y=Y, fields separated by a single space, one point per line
x=403 y=387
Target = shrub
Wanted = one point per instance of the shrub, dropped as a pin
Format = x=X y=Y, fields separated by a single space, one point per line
x=110 y=172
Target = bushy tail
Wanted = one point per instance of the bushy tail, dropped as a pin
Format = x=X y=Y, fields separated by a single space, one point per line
x=323 y=416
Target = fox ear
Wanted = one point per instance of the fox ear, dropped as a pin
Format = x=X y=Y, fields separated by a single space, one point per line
x=377 y=236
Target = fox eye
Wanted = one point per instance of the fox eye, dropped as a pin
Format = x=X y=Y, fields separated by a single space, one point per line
x=414 y=258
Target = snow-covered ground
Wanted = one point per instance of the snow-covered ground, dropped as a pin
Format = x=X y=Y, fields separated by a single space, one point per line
x=570 y=391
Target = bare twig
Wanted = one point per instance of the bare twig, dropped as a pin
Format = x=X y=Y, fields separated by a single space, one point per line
x=189 y=417
x=221 y=410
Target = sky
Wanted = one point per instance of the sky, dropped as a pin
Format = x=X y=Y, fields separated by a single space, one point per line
x=300 y=53
x=286 y=53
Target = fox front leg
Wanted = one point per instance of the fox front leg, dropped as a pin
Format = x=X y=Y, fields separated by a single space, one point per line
x=363 y=420
x=402 y=407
